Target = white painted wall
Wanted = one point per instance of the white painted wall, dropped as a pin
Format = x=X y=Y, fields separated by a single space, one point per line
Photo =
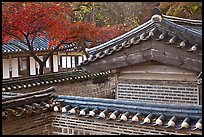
x=32 y=66
x=47 y=63
x=64 y=62
x=5 y=68
x=73 y=61
x=80 y=59
x=55 y=63
x=68 y=62
x=14 y=67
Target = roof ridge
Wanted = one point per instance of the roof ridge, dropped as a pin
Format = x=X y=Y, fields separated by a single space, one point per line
x=183 y=20
x=121 y=37
x=157 y=11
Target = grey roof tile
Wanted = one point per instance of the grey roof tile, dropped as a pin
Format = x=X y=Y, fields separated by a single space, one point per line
x=156 y=111
x=39 y=44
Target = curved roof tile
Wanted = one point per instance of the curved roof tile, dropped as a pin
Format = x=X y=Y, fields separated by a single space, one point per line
x=39 y=44
x=163 y=115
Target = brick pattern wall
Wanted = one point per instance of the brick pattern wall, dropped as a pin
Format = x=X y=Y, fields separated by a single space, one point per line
x=56 y=123
x=63 y=124
x=176 y=92
x=84 y=88
x=27 y=124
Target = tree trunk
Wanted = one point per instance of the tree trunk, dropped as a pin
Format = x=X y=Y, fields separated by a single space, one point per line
x=41 y=68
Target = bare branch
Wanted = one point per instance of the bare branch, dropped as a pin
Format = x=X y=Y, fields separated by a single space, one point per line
x=32 y=51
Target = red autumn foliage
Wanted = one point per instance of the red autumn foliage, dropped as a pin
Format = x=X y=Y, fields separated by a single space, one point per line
x=50 y=18
x=25 y=21
x=34 y=18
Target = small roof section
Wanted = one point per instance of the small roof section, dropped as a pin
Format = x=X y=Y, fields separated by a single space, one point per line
x=48 y=79
x=170 y=40
x=39 y=44
x=33 y=102
x=179 y=117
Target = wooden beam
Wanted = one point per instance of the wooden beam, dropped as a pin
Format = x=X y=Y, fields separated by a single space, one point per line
x=176 y=60
x=28 y=65
x=120 y=61
x=158 y=76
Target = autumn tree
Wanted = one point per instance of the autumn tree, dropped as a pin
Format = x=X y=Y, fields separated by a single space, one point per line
x=191 y=10
x=25 y=21
x=132 y=13
x=112 y=13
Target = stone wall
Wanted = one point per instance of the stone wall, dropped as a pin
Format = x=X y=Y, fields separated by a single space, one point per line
x=158 y=91
x=27 y=124
x=56 y=123
x=101 y=87
x=63 y=124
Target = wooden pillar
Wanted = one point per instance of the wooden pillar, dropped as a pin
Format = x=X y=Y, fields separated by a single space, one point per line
x=19 y=66
x=51 y=63
x=59 y=60
x=28 y=65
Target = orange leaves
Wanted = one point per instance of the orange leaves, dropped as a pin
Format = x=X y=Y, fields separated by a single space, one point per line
x=36 y=17
x=51 y=19
x=108 y=33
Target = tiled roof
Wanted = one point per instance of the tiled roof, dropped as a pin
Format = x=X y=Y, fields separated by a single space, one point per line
x=39 y=44
x=169 y=30
x=48 y=79
x=151 y=114
x=33 y=102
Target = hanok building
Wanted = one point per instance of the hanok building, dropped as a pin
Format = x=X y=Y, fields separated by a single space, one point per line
x=17 y=61
x=159 y=61
x=158 y=79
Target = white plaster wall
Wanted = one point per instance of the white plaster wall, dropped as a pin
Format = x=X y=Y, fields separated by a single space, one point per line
x=68 y=62
x=80 y=59
x=32 y=66
x=73 y=61
x=15 y=67
x=55 y=63
x=47 y=63
x=64 y=63
x=5 y=68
